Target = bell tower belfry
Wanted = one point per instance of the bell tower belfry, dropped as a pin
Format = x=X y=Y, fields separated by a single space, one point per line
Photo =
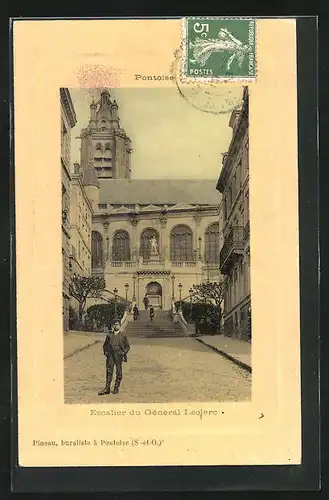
x=111 y=146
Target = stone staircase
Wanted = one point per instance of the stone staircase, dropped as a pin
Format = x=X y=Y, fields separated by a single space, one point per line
x=162 y=326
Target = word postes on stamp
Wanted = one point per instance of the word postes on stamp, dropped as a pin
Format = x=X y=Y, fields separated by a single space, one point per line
x=219 y=48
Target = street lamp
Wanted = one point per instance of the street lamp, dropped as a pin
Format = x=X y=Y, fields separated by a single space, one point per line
x=208 y=271
x=191 y=304
x=127 y=287
x=180 y=286
x=173 y=287
x=199 y=240
x=115 y=291
x=134 y=283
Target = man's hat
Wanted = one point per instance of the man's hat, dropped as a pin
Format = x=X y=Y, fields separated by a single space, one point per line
x=116 y=319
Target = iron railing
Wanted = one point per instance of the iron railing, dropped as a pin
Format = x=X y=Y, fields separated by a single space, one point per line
x=233 y=244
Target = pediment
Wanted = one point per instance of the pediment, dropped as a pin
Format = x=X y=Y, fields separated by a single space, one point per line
x=182 y=205
x=122 y=209
x=149 y=208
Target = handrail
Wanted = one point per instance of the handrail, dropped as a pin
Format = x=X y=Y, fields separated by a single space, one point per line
x=182 y=321
x=124 y=320
x=116 y=295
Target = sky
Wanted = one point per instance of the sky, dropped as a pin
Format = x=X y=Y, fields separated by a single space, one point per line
x=170 y=137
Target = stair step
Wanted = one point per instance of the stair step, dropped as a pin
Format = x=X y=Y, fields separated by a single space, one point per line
x=161 y=327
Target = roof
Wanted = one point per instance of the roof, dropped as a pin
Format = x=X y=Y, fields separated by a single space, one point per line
x=159 y=191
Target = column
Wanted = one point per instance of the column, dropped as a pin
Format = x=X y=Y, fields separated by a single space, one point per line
x=163 y=243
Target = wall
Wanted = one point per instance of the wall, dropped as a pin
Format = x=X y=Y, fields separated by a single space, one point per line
x=81 y=220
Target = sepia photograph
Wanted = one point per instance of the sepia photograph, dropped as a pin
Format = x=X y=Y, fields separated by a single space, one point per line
x=161 y=333
x=155 y=245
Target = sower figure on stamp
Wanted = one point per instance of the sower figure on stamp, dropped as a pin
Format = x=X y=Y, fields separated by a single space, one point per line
x=116 y=347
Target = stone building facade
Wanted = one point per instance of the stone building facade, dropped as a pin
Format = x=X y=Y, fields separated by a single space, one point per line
x=68 y=121
x=180 y=217
x=233 y=183
x=81 y=215
x=187 y=240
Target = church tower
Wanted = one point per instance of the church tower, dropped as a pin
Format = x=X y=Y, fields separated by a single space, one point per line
x=109 y=148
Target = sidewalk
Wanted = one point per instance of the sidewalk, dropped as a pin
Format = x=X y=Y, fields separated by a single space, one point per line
x=78 y=341
x=238 y=351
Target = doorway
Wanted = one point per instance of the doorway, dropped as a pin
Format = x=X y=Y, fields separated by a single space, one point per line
x=154 y=293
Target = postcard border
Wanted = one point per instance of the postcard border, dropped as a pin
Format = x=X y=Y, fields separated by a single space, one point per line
x=303 y=477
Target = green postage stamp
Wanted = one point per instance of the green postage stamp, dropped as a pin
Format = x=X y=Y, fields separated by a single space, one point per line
x=219 y=48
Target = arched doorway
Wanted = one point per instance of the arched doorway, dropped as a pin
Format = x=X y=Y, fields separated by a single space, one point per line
x=154 y=293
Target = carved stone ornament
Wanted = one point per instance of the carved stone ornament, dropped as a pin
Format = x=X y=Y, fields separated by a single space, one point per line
x=163 y=220
x=106 y=223
x=198 y=214
x=134 y=219
x=64 y=214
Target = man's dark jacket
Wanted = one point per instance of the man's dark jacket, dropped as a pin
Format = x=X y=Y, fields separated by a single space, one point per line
x=116 y=346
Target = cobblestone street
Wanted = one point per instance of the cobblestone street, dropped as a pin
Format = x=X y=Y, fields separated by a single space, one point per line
x=158 y=370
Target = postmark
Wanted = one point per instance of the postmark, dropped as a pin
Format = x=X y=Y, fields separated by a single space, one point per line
x=216 y=48
x=208 y=96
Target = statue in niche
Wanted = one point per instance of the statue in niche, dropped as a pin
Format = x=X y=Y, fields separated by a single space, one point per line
x=154 y=245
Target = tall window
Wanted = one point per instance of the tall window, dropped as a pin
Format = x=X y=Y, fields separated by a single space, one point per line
x=181 y=244
x=212 y=243
x=98 y=150
x=96 y=249
x=121 y=246
x=145 y=245
x=246 y=158
x=246 y=206
x=229 y=199
x=107 y=153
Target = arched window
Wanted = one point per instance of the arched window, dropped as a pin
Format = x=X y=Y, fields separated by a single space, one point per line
x=211 y=250
x=107 y=153
x=96 y=249
x=145 y=245
x=181 y=244
x=98 y=152
x=121 y=246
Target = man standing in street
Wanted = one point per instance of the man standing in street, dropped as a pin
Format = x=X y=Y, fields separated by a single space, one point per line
x=146 y=301
x=151 y=313
x=135 y=312
x=115 y=348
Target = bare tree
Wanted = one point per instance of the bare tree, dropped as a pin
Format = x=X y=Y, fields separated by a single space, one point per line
x=209 y=293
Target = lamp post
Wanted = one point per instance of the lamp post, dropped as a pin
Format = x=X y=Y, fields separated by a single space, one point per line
x=126 y=287
x=180 y=286
x=191 y=304
x=173 y=287
x=208 y=271
x=199 y=248
x=115 y=291
x=134 y=283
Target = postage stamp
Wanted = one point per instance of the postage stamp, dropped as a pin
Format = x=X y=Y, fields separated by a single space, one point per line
x=219 y=48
